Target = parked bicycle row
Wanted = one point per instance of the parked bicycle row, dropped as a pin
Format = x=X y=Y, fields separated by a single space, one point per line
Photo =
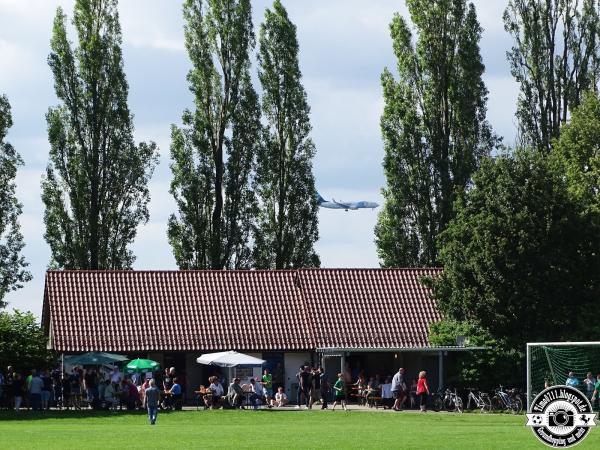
x=501 y=400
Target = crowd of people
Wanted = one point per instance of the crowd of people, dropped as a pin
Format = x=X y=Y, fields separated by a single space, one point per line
x=87 y=388
x=590 y=385
x=315 y=388
x=99 y=388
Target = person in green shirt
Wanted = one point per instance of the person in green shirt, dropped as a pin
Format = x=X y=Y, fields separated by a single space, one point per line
x=267 y=382
x=596 y=394
x=339 y=389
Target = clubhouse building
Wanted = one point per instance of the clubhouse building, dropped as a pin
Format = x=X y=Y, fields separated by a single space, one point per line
x=375 y=320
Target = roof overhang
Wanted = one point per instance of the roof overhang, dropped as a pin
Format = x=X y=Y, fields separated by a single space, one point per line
x=339 y=350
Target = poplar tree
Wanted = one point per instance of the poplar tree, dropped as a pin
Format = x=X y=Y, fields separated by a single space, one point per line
x=214 y=152
x=555 y=59
x=96 y=184
x=13 y=271
x=434 y=127
x=288 y=222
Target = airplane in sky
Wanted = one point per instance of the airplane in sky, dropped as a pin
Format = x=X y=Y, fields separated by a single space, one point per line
x=344 y=205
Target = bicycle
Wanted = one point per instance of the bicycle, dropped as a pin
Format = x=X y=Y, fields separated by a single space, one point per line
x=437 y=401
x=452 y=401
x=507 y=401
x=480 y=400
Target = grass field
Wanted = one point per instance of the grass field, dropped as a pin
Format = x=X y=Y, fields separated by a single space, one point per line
x=269 y=429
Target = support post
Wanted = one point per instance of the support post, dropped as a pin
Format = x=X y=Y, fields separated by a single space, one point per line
x=441 y=370
x=528 y=359
x=343 y=364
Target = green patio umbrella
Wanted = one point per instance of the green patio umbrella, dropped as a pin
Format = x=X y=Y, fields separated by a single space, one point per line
x=141 y=365
x=94 y=359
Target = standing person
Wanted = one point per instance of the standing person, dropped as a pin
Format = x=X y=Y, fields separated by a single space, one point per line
x=422 y=390
x=315 y=393
x=18 y=388
x=590 y=384
x=46 y=390
x=151 y=397
x=65 y=385
x=91 y=386
x=306 y=385
x=572 y=380
x=399 y=389
x=596 y=393
x=267 y=382
x=299 y=393
x=324 y=382
x=35 y=391
x=75 y=382
x=339 y=389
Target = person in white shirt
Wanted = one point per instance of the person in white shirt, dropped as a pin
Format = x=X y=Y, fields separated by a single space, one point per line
x=110 y=396
x=258 y=395
x=386 y=392
x=212 y=401
x=280 y=398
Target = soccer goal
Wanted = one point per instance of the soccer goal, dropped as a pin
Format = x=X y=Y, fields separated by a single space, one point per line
x=552 y=362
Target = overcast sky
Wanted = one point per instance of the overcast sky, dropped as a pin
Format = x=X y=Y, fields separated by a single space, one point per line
x=344 y=46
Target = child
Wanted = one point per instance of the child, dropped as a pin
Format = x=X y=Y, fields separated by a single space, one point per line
x=422 y=390
x=339 y=389
x=280 y=398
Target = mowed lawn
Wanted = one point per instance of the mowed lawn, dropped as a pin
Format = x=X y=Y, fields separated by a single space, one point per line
x=269 y=429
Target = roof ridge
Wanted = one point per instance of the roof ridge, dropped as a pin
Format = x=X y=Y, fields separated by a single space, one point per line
x=246 y=271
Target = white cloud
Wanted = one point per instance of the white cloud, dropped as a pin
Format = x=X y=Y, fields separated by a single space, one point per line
x=152 y=24
x=17 y=62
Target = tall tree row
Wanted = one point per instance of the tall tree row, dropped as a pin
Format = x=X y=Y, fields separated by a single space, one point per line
x=555 y=59
x=287 y=223
x=245 y=194
x=214 y=153
x=434 y=127
x=96 y=186
x=13 y=271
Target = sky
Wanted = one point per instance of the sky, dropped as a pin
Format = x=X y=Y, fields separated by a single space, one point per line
x=344 y=47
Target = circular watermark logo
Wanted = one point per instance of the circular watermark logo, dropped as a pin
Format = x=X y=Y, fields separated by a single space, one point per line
x=561 y=416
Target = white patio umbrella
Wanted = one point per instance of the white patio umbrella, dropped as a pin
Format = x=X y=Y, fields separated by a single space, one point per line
x=229 y=359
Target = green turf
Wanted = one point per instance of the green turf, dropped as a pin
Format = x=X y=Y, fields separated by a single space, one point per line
x=269 y=429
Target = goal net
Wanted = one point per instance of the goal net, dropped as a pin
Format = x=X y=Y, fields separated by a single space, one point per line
x=551 y=362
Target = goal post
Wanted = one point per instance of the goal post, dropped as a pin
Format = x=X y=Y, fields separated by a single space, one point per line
x=552 y=362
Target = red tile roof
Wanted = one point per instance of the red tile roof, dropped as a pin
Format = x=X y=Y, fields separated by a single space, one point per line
x=374 y=308
x=128 y=311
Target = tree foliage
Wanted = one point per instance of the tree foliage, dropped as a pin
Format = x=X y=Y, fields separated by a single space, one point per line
x=555 y=59
x=434 y=127
x=13 y=271
x=214 y=152
x=577 y=153
x=288 y=222
x=487 y=367
x=23 y=342
x=96 y=184
x=521 y=256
